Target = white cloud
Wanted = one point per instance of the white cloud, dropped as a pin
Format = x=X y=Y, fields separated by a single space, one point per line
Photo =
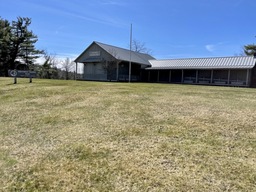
x=210 y=48
x=216 y=47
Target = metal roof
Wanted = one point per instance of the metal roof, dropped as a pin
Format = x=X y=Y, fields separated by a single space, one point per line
x=121 y=54
x=236 y=62
x=124 y=54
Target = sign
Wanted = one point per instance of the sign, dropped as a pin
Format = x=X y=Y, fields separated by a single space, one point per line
x=20 y=73
x=94 y=53
x=13 y=73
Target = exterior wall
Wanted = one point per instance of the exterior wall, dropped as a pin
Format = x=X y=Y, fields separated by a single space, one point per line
x=238 y=77
x=99 y=65
x=94 y=52
x=94 y=71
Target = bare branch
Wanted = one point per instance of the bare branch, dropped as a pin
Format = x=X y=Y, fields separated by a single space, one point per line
x=140 y=47
x=67 y=66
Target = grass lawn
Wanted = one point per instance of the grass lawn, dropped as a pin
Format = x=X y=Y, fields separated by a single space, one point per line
x=60 y=135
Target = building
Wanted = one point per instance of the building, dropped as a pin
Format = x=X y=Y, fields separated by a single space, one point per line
x=109 y=63
x=106 y=63
x=230 y=71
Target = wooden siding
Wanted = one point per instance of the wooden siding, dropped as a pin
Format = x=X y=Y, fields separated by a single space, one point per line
x=94 y=71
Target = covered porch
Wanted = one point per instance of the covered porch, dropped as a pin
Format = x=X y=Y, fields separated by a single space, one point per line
x=228 y=77
x=109 y=71
x=123 y=71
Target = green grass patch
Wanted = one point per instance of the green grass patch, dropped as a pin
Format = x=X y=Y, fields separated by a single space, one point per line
x=60 y=135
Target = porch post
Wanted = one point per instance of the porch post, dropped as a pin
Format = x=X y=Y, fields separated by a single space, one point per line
x=197 y=76
x=182 y=76
x=211 y=76
x=76 y=71
x=228 y=76
x=170 y=76
x=107 y=69
x=117 y=71
x=84 y=70
x=148 y=75
x=158 y=76
x=247 y=77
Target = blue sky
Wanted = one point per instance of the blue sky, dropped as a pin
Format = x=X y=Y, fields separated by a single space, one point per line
x=170 y=28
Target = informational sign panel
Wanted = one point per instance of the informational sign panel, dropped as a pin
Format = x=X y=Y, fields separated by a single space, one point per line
x=24 y=74
x=20 y=73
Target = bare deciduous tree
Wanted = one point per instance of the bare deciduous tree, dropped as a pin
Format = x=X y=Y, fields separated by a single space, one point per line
x=140 y=47
x=67 y=66
x=110 y=66
x=49 y=67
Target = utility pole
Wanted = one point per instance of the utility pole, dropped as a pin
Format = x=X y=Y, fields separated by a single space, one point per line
x=130 y=63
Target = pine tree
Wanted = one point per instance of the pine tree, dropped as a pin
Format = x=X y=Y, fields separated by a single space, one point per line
x=5 y=34
x=250 y=49
x=17 y=44
x=23 y=43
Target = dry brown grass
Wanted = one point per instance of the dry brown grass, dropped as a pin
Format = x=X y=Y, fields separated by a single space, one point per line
x=92 y=136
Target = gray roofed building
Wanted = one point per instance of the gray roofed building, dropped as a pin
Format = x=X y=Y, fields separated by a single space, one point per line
x=239 y=62
x=104 y=62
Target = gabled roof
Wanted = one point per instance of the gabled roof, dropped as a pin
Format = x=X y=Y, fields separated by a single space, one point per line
x=122 y=54
x=236 y=62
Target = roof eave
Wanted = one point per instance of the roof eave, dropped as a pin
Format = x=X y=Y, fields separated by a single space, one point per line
x=198 y=68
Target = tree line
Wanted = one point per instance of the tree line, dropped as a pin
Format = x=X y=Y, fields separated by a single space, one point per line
x=18 y=51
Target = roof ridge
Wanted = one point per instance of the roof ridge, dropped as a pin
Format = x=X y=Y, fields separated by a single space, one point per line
x=218 y=57
x=139 y=53
x=234 y=62
x=112 y=46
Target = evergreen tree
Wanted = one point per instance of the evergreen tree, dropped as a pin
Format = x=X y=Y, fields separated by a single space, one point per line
x=250 y=49
x=17 y=44
x=23 y=43
x=5 y=35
